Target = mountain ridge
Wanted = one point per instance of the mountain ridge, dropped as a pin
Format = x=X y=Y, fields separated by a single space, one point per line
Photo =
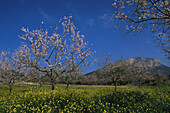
x=154 y=65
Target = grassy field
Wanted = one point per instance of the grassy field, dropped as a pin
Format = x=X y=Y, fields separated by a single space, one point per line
x=84 y=99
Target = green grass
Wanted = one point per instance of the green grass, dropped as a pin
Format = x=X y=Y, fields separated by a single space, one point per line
x=25 y=87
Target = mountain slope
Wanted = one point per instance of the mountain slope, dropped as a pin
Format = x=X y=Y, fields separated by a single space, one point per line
x=154 y=65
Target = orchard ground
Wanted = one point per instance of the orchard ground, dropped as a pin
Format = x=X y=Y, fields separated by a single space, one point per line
x=30 y=98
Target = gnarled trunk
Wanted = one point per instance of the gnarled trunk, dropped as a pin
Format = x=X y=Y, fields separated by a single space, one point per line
x=10 y=84
x=40 y=83
x=67 y=86
x=115 y=83
x=10 y=88
x=52 y=80
x=52 y=86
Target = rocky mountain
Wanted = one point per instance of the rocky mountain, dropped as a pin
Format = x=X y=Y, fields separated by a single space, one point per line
x=145 y=62
x=154 y=65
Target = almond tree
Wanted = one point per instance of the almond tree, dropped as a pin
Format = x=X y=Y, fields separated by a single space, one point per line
x=55 y=53
x=90 y=79
x=70 y=78
x=115 y=70
x=6 y=70
x=34 y=75
x=11 y=70
x=161 y=78
x=140 y=74
x=137 y=15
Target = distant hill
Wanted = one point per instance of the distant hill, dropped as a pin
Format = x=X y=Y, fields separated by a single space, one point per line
x=154 y=65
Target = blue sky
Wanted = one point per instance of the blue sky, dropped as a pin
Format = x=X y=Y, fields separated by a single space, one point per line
x=92 y=17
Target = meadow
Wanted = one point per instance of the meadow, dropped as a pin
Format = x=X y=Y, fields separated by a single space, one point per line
x=84 y=99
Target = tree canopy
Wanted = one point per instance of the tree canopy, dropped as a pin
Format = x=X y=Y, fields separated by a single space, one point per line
x=136 y=15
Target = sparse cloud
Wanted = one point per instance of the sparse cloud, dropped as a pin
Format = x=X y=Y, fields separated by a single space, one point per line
x=46 y=16
x=90 y=21
x=106 y=18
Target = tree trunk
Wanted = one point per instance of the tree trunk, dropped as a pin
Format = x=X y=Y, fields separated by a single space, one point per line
x=11 y=82
x=67 y=86
x=52 y=86
x=115 y=82
x=159 y=84
x=140 y=84
x=10 y=88
x=40 y=86
x=52 y=79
